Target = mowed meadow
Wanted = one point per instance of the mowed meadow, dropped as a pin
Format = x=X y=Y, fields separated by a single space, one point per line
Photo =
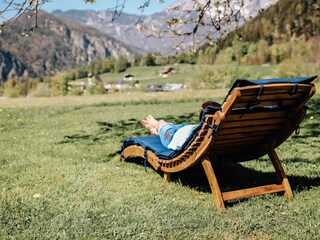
x=61 y=177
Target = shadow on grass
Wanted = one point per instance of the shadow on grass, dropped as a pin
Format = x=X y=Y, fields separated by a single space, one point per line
x=118 y=131
x=233 y=176
x=311 y=122
x=105 y=131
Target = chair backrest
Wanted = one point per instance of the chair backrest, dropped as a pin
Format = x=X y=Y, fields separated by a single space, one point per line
x=258 y=116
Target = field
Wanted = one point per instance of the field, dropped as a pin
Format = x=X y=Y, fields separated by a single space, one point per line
x=184 y=73
x=61 y=178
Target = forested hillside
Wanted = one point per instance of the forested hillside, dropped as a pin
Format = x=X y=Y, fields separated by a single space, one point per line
x=286 y=20
x=286 y=30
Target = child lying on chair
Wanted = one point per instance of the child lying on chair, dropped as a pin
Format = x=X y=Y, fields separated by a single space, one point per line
x=172 y=136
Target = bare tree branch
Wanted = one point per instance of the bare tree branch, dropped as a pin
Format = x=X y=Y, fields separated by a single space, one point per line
x=15 y=9
x=204 y=21
x=117 y=10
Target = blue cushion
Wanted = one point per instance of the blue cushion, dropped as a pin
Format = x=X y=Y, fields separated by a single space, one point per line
x=152 y=143
x=244 y=82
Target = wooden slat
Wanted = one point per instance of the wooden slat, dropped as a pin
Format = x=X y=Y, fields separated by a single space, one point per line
x=255 y=122
x=248 y=192
x=249 y=129
x=232 y=99
x=272 y=89
x=284 y=102
x=273 y=96
x=236 y=145
x=238 y=141
x=245 y=134
x=246 y=116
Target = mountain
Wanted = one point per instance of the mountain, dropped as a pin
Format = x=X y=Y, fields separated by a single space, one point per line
x=10 y=67
x=74 y=38
x=123 y=28
x=56 y=45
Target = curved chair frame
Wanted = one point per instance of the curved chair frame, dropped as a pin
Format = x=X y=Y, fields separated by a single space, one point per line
x=241 y=136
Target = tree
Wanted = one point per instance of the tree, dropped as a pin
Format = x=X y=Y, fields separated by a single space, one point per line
x=263 y=55
x=13 y=88
x=121 y=64
x=206 y=19
x=59 y=84
x=149 y=60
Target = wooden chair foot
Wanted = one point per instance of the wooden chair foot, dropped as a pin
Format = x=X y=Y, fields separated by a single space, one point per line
x=166 y=176
x=280 y=173
x=214 y=185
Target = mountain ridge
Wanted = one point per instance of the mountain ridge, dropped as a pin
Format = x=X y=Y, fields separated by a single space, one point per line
x=56 y=45
x=131 y=36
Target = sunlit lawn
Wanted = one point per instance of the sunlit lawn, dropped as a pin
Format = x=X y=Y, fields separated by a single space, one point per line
x=60 y=175
x=184 y=73
x=150 y=75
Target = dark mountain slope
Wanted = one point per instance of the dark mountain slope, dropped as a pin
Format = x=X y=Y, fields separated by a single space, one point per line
x=56 y=45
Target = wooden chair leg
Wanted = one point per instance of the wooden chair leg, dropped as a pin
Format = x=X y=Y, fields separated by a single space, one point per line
x=280 y=172
x=214 y=185
x=166 y=176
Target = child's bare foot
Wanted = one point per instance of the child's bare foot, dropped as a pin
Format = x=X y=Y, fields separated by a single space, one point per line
x=153 y=131
x=152 y=121
x=144 y=123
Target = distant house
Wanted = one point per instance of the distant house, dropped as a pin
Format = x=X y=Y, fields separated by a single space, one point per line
x=79 y=87
x=128 y=77
x=107 y=86
x=98 y=78
x=166 y=72
x=93 y=79
x=154 y=88
x=164 y=87
x=173 y=86
x=137 y=83
x=117 y=85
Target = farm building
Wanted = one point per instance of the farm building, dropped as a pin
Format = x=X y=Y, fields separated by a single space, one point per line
x=166 y=72
x=167 y=87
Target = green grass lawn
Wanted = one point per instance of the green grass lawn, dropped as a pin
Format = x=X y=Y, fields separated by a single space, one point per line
x=60 y=175
x=184 y=73
x=150 y=75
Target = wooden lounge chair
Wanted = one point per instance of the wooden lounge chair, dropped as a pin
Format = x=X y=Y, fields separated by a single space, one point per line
x=254 y=119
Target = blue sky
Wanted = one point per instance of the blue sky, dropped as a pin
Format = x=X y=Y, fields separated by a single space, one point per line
x=131 y=6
